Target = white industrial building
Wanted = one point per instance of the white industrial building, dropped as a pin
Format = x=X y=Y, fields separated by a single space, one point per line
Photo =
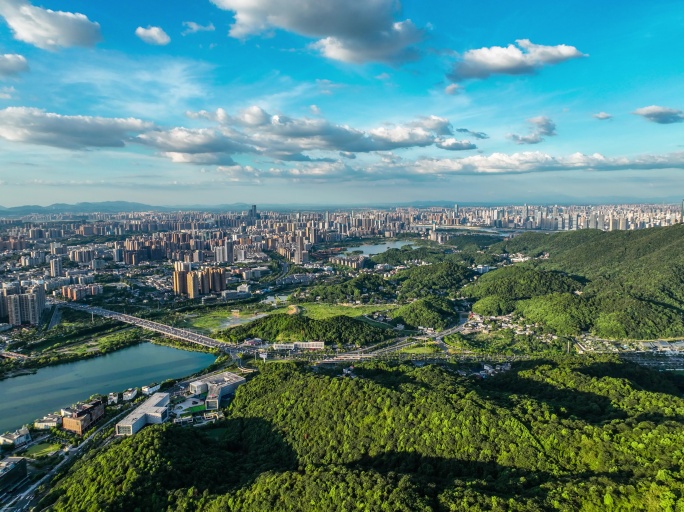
x=216 y=387
x=300 y=345
x=130 y=394
x=151 y=389
x=153 y=410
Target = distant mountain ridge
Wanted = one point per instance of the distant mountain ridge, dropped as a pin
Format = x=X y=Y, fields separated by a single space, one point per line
x=128 y=206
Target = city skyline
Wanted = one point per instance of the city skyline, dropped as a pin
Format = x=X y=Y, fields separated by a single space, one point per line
x=224 y=101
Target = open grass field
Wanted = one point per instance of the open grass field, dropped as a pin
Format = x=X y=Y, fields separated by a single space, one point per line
x=193 y=410
x=41 y=449
x=223 y=318
x=216 y=319
x=421 y=349
x=323 y=311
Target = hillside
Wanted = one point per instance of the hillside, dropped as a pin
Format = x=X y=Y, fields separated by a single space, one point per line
x=563 y=434
x=632 y=281
x=435 y=312
x=444 y=278
x=338 y=330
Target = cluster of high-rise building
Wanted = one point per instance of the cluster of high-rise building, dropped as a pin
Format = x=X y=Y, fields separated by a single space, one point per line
x=22 y=303
x=212 y=251
x=566 y=218
x=198 y=282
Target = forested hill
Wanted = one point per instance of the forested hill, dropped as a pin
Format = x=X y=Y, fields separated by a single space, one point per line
x=338 y=330
x=633 y=280
x=567 y=434
x=595 y=253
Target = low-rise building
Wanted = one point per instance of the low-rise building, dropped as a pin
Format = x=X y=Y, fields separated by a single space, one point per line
x=17 y=438
x=300 y=345
x=153 y=410
x=112 y=398
x=130 y=394
x=48 y=422
x=216 y=387
x=151 y=389
x=83 y=417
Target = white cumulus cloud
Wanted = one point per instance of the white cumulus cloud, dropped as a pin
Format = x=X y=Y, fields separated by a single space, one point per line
x=602 y=116
x=525 y=58
x=153 y=35
x=541 y=127
x=347 y=31
x=6 y=93
x=453 y=89
x=660 y=115
x=12 y=64
x=35 y=126
x=192 y=28
x=48 y=29
x=452 y=144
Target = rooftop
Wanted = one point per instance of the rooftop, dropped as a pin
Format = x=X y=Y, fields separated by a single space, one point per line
x=149 y=406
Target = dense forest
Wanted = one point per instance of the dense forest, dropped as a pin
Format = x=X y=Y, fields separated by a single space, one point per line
x=631 y=282
x=338 y=330
x=445 y=278
x=551 y=434
x=366 y=288
x=435 y=312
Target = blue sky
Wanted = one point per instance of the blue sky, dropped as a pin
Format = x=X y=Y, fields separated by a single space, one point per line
x=308 y=101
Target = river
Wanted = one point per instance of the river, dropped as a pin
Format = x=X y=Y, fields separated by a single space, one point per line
x=28 y=397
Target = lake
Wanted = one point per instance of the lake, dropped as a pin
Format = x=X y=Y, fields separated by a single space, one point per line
x=28 y=397
x=378 y=248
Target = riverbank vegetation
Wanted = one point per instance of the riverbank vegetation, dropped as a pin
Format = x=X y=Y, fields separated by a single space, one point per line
x=77 y=337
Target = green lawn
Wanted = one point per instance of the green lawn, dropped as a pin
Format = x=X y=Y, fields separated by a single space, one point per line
x=322 y=311
x=41 y=449
x=421 y=349
x=212 y=320
x=193 y=410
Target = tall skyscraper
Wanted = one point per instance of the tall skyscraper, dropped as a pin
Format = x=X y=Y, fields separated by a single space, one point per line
x=26 y=308
x=193 y=285
x=56 y=267
x=224 y=253
x=180 y=282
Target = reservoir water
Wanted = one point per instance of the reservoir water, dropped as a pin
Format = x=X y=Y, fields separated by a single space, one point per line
x=378 y=248
x=28 y=397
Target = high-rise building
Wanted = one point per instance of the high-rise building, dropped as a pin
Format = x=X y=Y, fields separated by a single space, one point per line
x=56 y=267
x=180 y=282
x=301 y=255
x=193 y=285
x=224 y=253
x=26 y=308
x=218 y=280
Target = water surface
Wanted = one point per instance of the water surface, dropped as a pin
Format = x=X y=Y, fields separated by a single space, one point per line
x=28 y=397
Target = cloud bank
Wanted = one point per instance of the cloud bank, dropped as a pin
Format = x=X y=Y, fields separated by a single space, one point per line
x=660 y=115
x=48 y=29
x=355 y=32
x=524 y=59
